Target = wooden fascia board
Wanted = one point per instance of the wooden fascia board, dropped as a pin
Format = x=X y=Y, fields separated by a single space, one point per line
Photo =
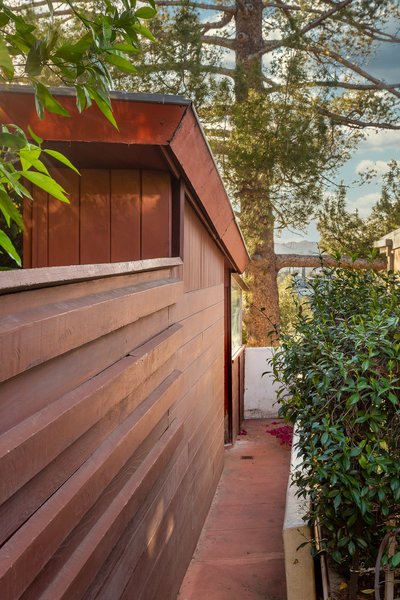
x=138 y=122
x=195 y=159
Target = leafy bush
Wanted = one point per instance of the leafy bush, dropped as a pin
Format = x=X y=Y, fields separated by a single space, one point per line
x=340 y=372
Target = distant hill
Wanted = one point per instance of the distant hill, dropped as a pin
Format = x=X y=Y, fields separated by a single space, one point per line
x=301 y=247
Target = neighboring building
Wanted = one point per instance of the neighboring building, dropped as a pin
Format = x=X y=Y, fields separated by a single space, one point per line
x=119 y=375
x=389 y=246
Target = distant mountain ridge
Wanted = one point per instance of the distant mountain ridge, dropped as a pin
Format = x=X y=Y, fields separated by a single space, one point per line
x=301 y=247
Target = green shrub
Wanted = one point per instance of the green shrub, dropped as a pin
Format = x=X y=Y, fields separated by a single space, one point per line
x=340 y=372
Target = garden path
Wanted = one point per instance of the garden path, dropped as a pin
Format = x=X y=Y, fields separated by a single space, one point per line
x=240 y=552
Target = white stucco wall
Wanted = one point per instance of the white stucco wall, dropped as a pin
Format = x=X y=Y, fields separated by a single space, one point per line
x=259 y=390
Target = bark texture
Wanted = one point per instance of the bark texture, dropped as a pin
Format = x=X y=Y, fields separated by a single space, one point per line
x=300 y=260
x=248 y=44
x=262 y=317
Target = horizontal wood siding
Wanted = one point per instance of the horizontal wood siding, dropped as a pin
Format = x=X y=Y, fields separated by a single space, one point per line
x=111 y=426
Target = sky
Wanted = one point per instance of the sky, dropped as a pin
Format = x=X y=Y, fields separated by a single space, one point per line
x=376 y=151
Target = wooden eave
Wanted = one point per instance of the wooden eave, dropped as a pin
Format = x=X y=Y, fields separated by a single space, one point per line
x=143 y=119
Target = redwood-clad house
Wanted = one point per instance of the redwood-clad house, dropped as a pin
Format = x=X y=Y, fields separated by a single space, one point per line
x=121 y=374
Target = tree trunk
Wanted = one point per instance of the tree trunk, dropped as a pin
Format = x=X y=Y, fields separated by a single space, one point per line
x=262 y=316
x=248 y=41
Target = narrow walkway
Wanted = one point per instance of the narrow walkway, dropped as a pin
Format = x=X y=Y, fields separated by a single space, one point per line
x=240 y=552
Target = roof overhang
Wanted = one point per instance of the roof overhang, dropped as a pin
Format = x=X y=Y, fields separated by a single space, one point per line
x=143 y=119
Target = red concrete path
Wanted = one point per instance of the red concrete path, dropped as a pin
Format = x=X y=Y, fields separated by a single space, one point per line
x=240 y=552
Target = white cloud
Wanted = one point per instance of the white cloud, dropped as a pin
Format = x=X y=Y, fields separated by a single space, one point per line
x=381 y=140
x=380 y=166
x=364 y=203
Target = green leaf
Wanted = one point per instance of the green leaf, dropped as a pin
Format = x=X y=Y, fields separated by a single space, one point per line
x=82 y=98
x=354 y=398
x=30 y=158
x=363 y=462
x=337 y=556
x=39 y=105
x=8 y=247
x=9 y=210
x=324 y=438
x=352 y=520
x=337 y=501
x=12 y=140
x=144 y=31
x=75 y=52
x=62 y=159
x=121 y=63
x=146 y=12
x=46 y=183
x=125 y=47
x=103 y=106
x=47 y=101
x=34 y=61
x=35 y=137
x=395 y=560
x=4 y=19
x=6 y=64
x=355 y=451
x=11 y=177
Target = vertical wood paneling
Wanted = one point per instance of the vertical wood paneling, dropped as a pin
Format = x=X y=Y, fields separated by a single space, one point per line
x=204 y=263
x=156 y=214
x=95 y=239
x=125 y=215
x=64 y=222
x=113 y=216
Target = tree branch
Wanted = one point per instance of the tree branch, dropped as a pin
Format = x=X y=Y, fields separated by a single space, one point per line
x=323 y=17
x=351 y=86
x=217 y=24
x=302 y=260
x=331 y=84
x=275 y=44
x=352 y=66
x=204 y=5
x=219 y=41
x=358 y=123
x=179 y=67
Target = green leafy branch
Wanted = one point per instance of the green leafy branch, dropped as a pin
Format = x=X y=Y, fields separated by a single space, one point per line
x=20 y=162
x=108 y=40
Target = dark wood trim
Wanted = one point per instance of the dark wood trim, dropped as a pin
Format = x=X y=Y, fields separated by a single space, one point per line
x=178 y=217
x=169 y=159
x=229 y=434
